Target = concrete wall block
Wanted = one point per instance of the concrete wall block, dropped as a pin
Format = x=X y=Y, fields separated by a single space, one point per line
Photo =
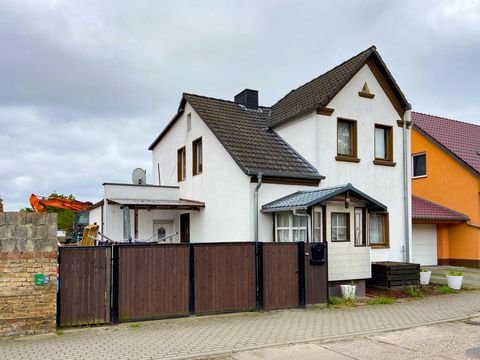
x=2 y=218
x=11 y=217
x=20 y=232
x=7 y=245
x=6 y=231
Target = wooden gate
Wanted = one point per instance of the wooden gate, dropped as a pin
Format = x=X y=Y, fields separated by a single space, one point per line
x=280 y=275
x=153 y=281
x=84 y=293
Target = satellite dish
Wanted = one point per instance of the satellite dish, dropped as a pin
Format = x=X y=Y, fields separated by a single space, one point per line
x=139 y=176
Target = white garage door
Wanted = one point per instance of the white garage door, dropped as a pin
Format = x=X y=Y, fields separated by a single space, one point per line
x=424 y=239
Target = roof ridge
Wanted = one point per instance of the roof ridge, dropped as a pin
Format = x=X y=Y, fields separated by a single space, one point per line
x=218 y=99
x=445 y=118
x=442 y=206
x=371 y=48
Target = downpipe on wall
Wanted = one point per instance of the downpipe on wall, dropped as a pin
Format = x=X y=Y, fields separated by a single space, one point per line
x=406 y=200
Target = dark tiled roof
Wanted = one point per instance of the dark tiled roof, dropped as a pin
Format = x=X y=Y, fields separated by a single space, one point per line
x=319 y=91
x=245 y=135
x=459 y=138
x=426 y=210
x=307 y=198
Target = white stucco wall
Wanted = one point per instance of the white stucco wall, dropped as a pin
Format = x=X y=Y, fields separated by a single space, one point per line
x=95 y=216
x=315 y=138
x=222 y=185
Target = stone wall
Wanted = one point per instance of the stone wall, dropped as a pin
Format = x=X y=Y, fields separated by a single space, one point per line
x=28 y=257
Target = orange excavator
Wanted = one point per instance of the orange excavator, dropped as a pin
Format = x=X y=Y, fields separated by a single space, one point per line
x=40 y=203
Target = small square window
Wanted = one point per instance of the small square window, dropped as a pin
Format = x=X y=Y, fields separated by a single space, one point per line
x=340 y=227
x=197 y=156
x=419 y=165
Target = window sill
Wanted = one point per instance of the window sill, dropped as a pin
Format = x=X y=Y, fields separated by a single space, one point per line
x=347 y=158
x=380 y=246
x=384 y=162
x=180 y=180
x=199 y=173
x=419 y=177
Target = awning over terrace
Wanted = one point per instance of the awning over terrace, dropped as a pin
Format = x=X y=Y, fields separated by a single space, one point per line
x=180 y=204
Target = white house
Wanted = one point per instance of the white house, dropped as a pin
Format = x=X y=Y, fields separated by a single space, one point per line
x=327 y=162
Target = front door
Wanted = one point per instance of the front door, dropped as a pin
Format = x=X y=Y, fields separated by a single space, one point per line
x=162 y=230
x=185 y=228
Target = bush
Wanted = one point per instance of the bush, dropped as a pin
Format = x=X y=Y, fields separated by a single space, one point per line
x=446 y=290
x=414 y=291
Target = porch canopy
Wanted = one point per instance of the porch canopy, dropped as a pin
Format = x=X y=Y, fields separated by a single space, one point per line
x=180 y=204
x=302 y=200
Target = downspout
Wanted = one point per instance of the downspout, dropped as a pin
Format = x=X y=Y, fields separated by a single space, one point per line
x=255 y=209
x=258 y=271
x=406 y=200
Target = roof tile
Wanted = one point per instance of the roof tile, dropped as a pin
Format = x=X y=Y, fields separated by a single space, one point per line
x=426 y=210
x=459 y=138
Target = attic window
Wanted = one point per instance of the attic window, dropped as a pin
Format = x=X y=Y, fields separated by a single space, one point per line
x=365 y=92
x=189 y=121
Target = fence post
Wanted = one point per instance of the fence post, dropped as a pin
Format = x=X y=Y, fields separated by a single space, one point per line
x=58 y=279
x=301 y=274
x=191 y=280
x=259 y=274
x=115 y=279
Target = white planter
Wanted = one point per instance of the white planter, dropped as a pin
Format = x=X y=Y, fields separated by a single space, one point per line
x=348 y=291
x=425 y=277
x=454 y=282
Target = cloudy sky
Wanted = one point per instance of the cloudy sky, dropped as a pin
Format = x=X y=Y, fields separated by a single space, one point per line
x=86 y=86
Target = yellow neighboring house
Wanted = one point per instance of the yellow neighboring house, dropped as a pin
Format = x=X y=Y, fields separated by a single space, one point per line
x=445 y=187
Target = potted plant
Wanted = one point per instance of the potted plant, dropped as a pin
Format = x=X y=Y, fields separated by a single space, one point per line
x=455 y=279
x=348 y=291
x=425 y=276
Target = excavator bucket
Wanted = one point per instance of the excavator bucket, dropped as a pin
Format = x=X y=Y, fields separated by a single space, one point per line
x=89 y=235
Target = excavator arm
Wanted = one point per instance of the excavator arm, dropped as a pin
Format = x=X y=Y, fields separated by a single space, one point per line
x=39 y=204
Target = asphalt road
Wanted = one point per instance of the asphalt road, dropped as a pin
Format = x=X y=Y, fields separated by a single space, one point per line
x=454 y=340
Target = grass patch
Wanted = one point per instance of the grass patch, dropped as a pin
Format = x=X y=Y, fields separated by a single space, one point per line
x=414 y=291
x=378 y=300
x=336 y=301
x=446 y=290
x=135 y=325
x=59 y=332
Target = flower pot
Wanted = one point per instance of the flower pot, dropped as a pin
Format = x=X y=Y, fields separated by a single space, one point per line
x=425 y=277
x=348 y=291
x=454 y=282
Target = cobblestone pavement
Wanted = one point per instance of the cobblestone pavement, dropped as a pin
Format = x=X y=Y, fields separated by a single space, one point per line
x=222 y=334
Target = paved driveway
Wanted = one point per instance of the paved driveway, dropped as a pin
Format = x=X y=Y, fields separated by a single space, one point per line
x=471 y=276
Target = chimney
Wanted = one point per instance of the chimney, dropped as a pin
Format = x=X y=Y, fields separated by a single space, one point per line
x=248 y=98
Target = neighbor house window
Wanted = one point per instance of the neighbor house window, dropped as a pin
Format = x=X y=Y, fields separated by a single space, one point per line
x=340 y=227
x=346 y=140
x=419 y=165
x=197 y=157
x=378 y=229
x=383 y=143
x=317 y=225
x=181 y=164
x=291 y=227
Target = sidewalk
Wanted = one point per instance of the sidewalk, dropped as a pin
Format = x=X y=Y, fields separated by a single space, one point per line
x=221 y=334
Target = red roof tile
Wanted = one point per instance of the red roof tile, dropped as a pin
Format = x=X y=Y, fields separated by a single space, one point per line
x=426 y=210
x=459 y=138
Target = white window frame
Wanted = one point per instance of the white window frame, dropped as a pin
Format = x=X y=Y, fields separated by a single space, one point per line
x=360 y=236
x=290 y=227
x=317 y=228
x=413 y=167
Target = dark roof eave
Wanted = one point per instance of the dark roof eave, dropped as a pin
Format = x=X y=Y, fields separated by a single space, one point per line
x=284 y=175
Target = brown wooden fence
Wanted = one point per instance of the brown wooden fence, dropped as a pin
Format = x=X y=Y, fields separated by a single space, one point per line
x=127 y=282
x=84 y=294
